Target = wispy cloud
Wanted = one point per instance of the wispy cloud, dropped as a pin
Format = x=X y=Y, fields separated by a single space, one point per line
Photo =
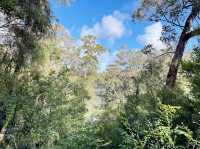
x=110 y=27
x=152 y=36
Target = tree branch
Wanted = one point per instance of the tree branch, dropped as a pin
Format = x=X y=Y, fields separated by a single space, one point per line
x=172 y=22
x=195 y=32
x=168 y=52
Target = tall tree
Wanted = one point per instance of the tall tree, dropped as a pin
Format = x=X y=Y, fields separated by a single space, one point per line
x=181 y=21
x=26 y=22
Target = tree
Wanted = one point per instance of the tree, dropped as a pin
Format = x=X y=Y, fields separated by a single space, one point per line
x=44 y=106
x=121 y=78
x=147 y=122
x=26 y=22
x=180 y=18
x=191 y=69
x=89 y=53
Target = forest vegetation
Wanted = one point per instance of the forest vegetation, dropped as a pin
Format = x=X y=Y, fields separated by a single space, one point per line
x=54 y=96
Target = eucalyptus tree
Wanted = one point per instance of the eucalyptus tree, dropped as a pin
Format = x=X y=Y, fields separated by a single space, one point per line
x=26 y=22
x=181 y=22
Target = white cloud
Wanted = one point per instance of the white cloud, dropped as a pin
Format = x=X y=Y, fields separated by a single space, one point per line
x=152 y=36
x=110 y=27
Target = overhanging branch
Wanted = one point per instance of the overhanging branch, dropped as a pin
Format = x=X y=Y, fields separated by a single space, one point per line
x=168 y=52
x=195 y=32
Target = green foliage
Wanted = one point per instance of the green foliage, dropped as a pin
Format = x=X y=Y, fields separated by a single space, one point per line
x=28 y=21
x=90 y=52
x=148 y=122
x=46 y=89
x=41 y=110
x=8 y=6
x=172 y=13
x=192 y=69
x=154 y=127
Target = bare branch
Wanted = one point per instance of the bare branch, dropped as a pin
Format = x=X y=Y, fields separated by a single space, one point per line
x=172 y=22
x=169 y=52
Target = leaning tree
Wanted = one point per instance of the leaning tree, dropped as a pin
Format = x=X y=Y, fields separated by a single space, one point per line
x=180 y=19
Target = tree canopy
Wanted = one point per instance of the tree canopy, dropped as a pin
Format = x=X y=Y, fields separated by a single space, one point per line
x=53 y=93
x=181 y=22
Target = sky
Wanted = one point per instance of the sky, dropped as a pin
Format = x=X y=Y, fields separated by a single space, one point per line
x=110 y=21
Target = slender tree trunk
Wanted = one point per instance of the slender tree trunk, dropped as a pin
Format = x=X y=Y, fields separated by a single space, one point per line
x=173 y=69
x=185 y=36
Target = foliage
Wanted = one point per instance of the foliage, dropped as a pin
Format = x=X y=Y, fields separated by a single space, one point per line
x=53 y=96
x=172 y=13
x=192 y=69
x=7 y=5
x=147 y=123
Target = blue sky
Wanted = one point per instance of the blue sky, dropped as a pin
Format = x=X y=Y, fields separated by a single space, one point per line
x=91 y=12
x=90 y=16
x=110 y=21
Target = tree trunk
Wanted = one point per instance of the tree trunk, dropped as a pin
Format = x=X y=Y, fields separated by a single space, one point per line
x=185 y=36
x=173 y=69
